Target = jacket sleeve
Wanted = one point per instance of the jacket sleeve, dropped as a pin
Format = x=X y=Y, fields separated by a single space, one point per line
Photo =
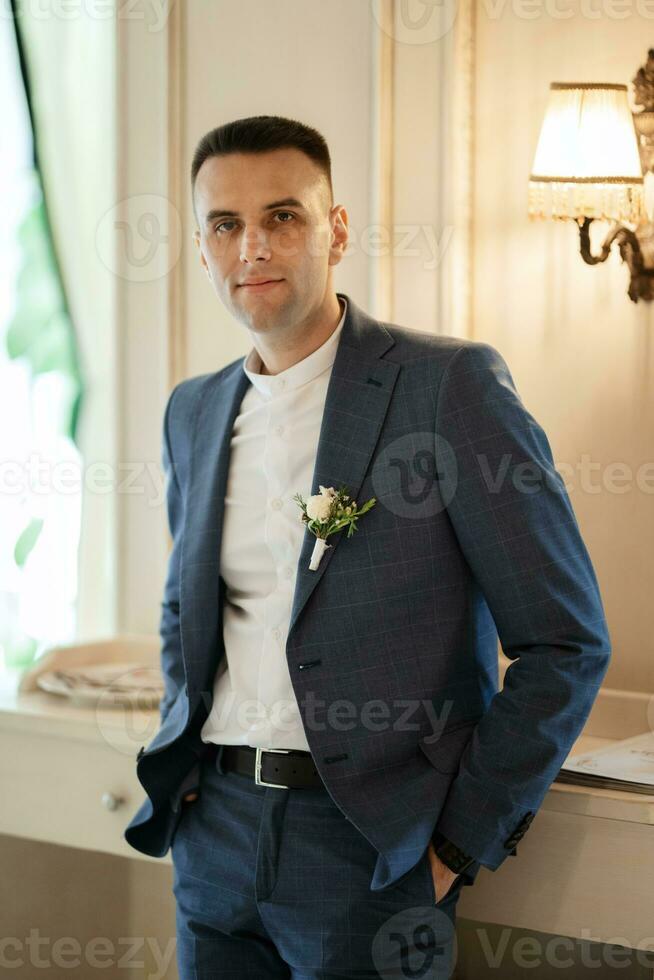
x=517 y=529
x=172 y=664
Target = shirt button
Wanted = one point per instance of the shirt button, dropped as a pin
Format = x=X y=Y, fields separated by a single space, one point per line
x=276 y=633
x=288 y=572
x=276 y=503
x=279 y=429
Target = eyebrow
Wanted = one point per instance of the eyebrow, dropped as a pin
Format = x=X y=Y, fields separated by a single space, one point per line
x=290 y=202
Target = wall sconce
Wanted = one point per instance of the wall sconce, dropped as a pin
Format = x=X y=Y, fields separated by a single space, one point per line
x=588 y=166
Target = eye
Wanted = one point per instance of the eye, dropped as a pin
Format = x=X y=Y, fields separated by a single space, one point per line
x=288 y=214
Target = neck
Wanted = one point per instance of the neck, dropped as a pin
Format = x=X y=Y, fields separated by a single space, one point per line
x=274 y=361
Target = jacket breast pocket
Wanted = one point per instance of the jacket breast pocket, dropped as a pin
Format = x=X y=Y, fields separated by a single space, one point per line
x=444 y=751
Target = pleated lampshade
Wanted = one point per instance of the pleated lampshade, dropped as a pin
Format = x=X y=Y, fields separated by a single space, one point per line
x=587 y=163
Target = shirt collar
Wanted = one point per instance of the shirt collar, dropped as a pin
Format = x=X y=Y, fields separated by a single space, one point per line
x=298 y=374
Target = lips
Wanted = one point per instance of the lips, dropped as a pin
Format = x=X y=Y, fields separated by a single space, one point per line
x=255 y=286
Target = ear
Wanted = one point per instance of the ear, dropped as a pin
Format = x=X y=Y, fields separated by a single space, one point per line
x=203 y=261
x=339 y=234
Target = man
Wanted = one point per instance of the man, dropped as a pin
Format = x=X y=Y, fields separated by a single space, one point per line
x=323 y=833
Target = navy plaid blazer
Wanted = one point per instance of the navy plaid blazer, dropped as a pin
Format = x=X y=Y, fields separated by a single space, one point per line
x=392 y=642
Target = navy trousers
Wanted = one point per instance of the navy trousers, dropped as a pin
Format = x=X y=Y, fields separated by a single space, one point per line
x=275 y=883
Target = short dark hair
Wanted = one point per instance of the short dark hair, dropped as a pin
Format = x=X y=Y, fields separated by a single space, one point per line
x=261 y=134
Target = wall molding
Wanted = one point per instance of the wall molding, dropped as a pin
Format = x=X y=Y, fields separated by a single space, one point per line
x=177 y=188
x=434 y=82
x=382 y=142
x=461 y=276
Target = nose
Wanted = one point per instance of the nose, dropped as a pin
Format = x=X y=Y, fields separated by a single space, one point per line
x=254 y=246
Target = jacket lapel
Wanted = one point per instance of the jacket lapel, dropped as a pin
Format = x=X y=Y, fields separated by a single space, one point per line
x=358 y=395
x=203 y=523
x=357 y=400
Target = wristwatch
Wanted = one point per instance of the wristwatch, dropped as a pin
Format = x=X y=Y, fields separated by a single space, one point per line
x=451 y=855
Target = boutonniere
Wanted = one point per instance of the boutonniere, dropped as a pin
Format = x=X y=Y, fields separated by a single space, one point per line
x=327 y=512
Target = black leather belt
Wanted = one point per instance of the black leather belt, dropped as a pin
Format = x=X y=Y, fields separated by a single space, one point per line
x=280 y=768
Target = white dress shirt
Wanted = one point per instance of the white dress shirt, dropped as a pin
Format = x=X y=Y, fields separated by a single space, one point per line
x=272 y=457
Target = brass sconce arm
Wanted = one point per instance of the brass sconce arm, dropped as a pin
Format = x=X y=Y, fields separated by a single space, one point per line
x=641 y=277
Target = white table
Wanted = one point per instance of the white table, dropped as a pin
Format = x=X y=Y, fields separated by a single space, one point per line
x=584 y=869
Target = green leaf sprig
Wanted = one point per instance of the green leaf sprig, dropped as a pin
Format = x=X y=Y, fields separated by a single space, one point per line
x=337 y=511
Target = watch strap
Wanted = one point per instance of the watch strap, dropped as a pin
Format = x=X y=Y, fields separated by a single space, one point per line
x=451 y=855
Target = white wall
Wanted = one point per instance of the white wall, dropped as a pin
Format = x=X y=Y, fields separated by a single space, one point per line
x=307 y=60
x=581 y=353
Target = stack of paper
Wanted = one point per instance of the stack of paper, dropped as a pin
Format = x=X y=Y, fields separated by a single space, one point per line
x=626 y=765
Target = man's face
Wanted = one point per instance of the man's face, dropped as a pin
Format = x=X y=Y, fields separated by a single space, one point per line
x=267 y=217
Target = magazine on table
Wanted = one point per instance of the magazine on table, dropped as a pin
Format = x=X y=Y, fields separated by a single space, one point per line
x=625 y=765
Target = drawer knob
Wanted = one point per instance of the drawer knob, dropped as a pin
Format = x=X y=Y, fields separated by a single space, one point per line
x=111 y=802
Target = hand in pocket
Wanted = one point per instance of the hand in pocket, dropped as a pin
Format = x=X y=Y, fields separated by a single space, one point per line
x=442 y=876
x=189 y=788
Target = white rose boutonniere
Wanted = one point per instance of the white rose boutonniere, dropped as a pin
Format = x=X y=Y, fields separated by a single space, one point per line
x=327 y=512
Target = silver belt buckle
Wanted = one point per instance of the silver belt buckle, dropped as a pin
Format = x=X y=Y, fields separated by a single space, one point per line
x=257 y=768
